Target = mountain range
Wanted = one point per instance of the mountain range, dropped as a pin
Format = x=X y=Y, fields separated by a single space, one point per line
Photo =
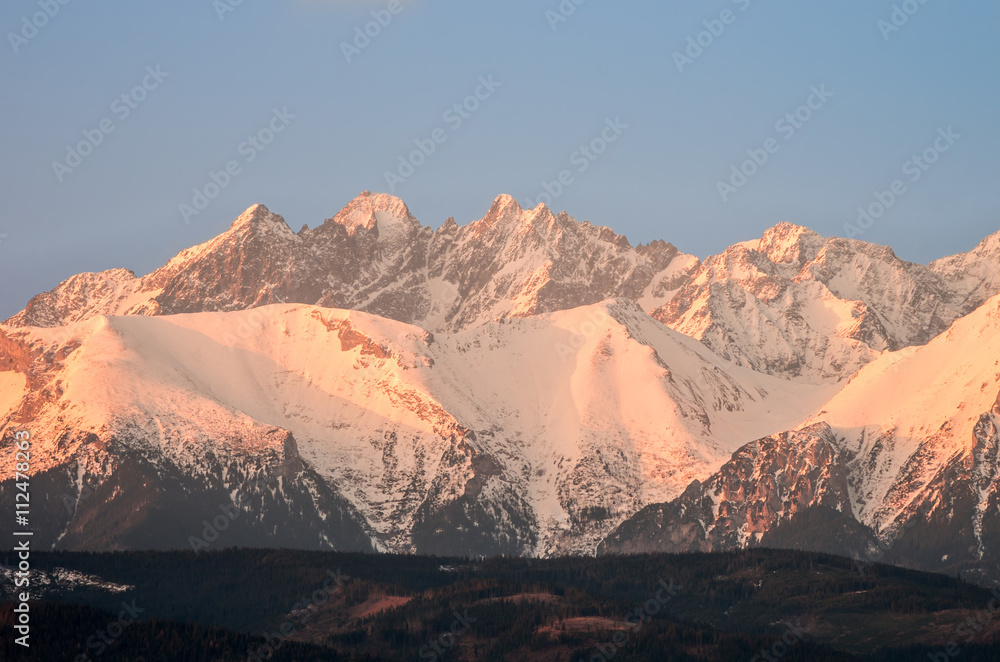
x=525 y=384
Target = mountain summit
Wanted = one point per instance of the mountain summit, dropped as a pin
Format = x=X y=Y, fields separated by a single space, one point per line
x=791 y=302
x=522 y=384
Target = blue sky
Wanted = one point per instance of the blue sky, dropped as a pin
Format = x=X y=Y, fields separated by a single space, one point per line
x=560 y=83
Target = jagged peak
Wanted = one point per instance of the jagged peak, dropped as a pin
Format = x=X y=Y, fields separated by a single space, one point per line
x=784 y=228
x=504 y=201
x=787 y=242
x=363 y=211
x=253 y=212
x=505 y=211
x=542 y=208
x=258 y=217
x=657 y=245
x=785 y=233
x=988 y=247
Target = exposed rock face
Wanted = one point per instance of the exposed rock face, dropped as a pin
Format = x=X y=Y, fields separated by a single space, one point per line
x=798 y=490
x=348 y=430
x=902 y=464
x=791 y=303
x=375 y=384
x=794 y=303
x=768 y=481
x=374 y=256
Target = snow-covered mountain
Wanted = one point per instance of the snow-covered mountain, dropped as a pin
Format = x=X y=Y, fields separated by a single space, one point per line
x=523 y=384
x=374 y=256
x=794 y=303
x=790 y=303
x=520 y=437
x=902 y=463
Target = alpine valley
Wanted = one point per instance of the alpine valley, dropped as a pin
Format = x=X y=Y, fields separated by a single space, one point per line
x=524 y=385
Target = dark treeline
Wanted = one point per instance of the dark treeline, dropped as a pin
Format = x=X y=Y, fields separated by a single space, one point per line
x=648 y=607
x=70 y=632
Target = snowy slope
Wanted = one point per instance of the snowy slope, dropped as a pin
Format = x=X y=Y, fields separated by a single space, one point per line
x=901 y=464
x=565 y=424
x=910 y=415
x=525 y=383
x=795 y=303
x=974 y=276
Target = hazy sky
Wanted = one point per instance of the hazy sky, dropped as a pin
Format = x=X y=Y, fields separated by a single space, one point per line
x=681 y=124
